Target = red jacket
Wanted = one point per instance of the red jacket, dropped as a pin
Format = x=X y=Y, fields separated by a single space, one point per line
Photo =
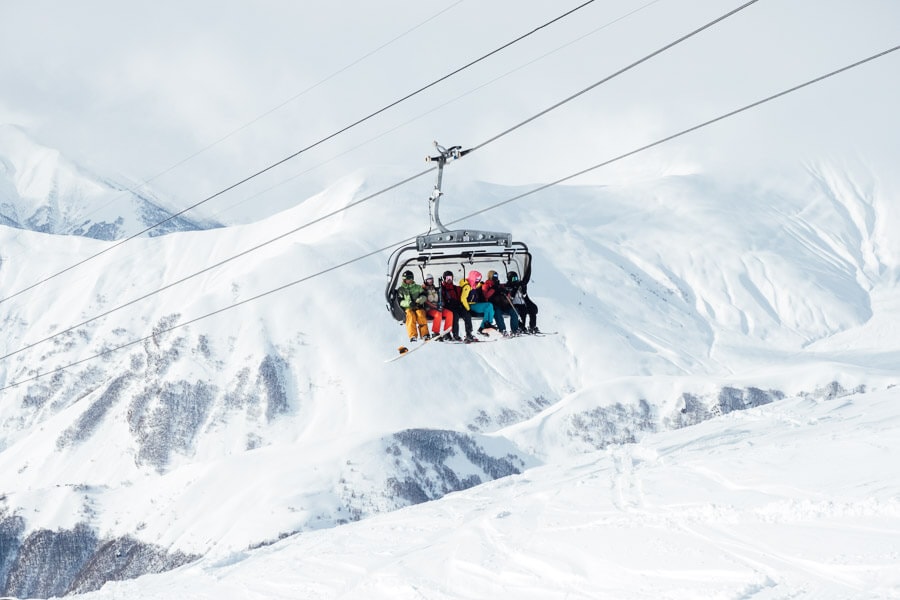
x=451 y=295
x=495 y=293
x=487 y=288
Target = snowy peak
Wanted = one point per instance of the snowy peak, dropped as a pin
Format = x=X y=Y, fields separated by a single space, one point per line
x=42 y=190
x=30 y=168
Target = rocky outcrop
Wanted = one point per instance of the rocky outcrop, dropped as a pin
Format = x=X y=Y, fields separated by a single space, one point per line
x=47 y=563
x=421 y=458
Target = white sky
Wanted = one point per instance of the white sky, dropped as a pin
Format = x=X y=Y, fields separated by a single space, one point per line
x=133 y=89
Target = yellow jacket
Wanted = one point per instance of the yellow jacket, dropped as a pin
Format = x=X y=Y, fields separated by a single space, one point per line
x=465 y=288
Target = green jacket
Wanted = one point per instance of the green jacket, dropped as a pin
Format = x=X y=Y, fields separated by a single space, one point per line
x=411 y=295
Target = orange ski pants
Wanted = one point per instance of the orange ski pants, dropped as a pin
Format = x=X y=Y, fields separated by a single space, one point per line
x=416 y=317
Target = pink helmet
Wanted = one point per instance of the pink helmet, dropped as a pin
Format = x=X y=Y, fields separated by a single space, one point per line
x=473 y=278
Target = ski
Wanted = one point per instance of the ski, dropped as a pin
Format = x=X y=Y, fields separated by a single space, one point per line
x=498 y=336
x=476 y=341
x=490 y=335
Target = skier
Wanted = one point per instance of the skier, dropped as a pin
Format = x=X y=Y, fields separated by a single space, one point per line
x=442 y=316
x=523 y=304
x=451 y=296
x=473 y=300
x=412 y=299
x=497 y=294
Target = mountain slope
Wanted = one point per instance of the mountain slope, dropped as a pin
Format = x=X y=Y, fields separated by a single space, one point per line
x=42 y=191
x=677 y=300
x=786 y=501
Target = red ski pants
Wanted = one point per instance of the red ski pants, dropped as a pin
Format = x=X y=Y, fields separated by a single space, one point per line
x=443 y=319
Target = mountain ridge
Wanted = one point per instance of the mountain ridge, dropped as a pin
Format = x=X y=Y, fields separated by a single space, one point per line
x=42 y=190
x=291 y=391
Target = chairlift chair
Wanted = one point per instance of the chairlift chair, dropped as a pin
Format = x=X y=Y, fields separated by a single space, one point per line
x=458 y=251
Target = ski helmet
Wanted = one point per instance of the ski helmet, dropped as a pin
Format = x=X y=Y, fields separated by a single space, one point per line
x=473 y=278
x=512 y=276
x=429 y=277
x=448 y=274
x=407 y=275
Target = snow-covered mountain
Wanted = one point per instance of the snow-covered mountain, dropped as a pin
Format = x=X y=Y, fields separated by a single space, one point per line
x=148 y=439
x=43 y=191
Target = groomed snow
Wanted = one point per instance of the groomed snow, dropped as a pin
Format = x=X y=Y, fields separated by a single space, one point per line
x=795 y=499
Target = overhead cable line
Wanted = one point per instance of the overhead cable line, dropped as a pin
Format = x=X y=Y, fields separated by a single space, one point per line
x=478 y=212
x=375 y=194
x=680 y=133
x=218 y=264
x=279 y=106
x=438 y=107
x=302 y=150
x=550 y=108
x=616 y=74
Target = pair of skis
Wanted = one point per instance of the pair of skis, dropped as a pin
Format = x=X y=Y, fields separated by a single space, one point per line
x=486 y=337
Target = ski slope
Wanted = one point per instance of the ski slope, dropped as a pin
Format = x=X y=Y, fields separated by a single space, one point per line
x=795 y=499
x=642 y=393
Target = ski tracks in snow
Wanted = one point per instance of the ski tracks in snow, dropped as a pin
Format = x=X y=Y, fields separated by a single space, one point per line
x=627 y=491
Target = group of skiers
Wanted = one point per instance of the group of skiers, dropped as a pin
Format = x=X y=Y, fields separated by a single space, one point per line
x=449 y=302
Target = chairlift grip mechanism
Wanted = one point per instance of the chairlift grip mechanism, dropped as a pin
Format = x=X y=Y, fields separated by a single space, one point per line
x=445 y=154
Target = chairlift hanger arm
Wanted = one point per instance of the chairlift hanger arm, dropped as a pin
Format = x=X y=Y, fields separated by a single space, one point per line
x=451 y=153
x=455 y=250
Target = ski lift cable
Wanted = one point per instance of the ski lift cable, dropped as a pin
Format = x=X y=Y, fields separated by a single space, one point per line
x=301 y=151
x=135 y=187
x=351 y=205
x=492 y=207
x=680 y=133
x=369 y=197
x=436 y=108
x=272 y=240
x=614 y=75
x=217 y=265
x=460 y=96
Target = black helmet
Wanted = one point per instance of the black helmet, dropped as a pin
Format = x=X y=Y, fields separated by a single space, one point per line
x=450 y=273
x=407 y=275
x=512 y=276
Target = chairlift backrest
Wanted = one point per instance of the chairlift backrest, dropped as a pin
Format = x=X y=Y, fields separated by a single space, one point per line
x=459 y=260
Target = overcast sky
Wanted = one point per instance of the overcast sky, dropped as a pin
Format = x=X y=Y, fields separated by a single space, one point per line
x=130 y=90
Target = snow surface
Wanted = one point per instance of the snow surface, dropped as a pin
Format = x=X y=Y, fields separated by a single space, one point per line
x=798 y=499
x=717 y=416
